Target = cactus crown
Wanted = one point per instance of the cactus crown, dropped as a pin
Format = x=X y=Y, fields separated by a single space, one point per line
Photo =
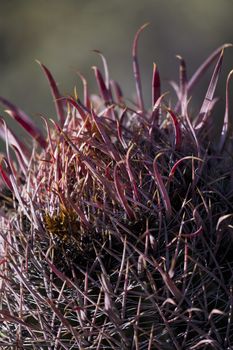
x=116 y=230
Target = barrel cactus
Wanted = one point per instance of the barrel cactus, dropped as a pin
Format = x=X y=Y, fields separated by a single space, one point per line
x=117 y=226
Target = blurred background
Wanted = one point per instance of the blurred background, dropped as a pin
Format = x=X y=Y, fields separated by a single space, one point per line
x=63 y=33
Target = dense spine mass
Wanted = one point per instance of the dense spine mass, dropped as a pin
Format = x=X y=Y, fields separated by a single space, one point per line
x=116 y=230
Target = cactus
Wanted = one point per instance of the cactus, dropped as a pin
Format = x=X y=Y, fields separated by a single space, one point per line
x=116 y=227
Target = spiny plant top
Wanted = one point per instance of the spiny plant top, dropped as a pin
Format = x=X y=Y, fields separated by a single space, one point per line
x=117 y=227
